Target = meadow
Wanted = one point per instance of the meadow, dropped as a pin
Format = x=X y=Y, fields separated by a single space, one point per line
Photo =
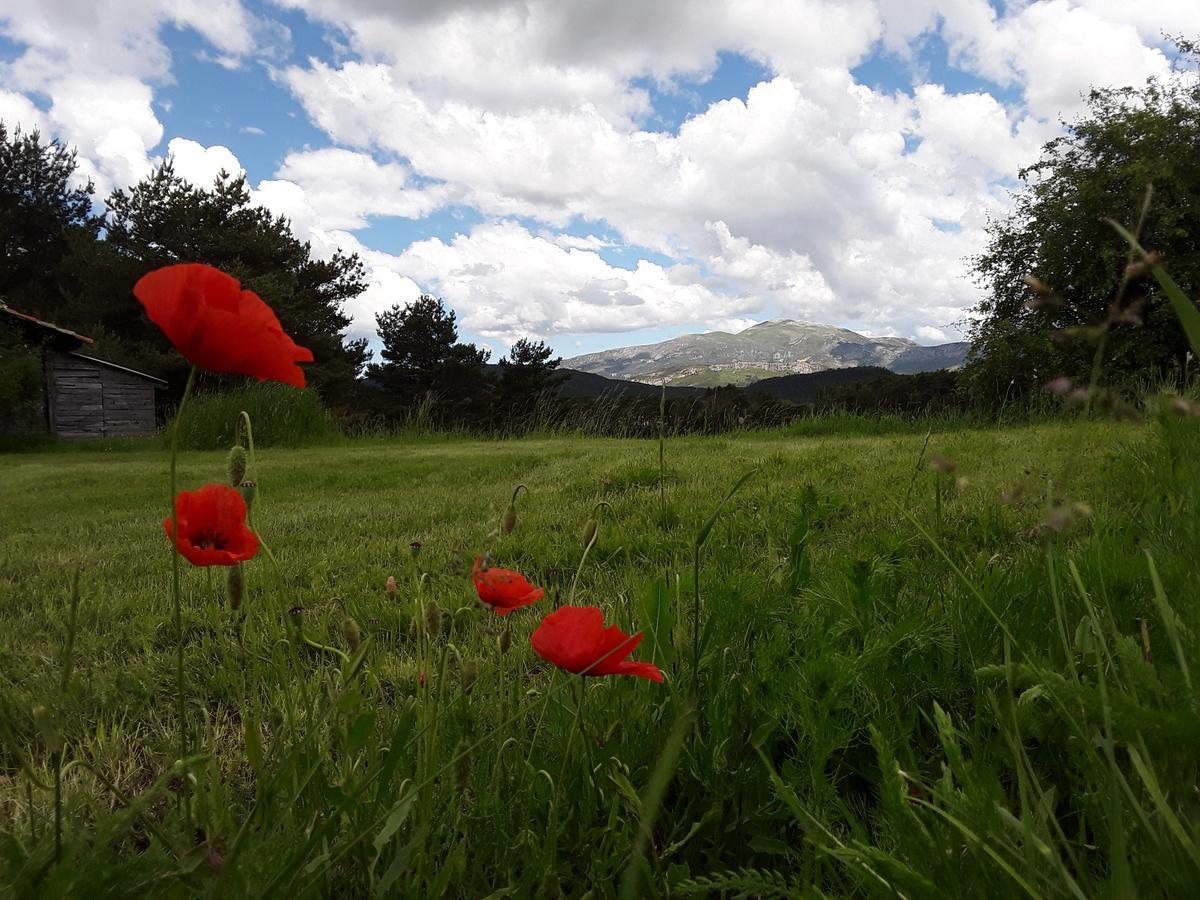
x=917 y=663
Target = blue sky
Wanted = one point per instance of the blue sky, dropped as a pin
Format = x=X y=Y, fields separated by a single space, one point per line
x=598 y=179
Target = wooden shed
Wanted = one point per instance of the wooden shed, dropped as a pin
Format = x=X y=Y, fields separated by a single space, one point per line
x=86 y=397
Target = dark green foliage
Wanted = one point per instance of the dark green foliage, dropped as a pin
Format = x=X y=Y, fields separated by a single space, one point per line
x=526 y=376
x=164 y=219
x=21 y=397
x=1128 y=140
x=809 y=386
x=923 y=393
x=42 y=216
x=425 y=372
x=282 y=417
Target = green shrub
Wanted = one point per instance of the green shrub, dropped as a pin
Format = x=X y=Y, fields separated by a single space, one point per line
x=281 y=417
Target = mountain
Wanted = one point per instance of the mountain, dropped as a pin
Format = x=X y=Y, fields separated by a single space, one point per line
x=778 y=347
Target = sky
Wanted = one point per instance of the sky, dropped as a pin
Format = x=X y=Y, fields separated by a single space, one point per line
x=598 y=173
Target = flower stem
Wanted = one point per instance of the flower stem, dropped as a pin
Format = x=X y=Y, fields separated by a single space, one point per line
x=180 y=700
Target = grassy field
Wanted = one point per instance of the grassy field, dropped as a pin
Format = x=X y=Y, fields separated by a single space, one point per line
x=911 y=681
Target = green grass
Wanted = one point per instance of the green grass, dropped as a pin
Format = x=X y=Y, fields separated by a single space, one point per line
x=897 y=694
x=282 y=417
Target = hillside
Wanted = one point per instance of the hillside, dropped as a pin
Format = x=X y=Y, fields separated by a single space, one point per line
x=766 y=350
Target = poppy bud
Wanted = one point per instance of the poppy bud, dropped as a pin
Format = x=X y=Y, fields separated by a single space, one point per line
x=469 y=675
x=414 y=548
x=589 y=533
x=433 y=620
x=391 y=587
x=234 y=586
x=235 y=464
x=249 y=491
x=504 y=641
x=44 y=720
x=509 y=522
x=351 y=634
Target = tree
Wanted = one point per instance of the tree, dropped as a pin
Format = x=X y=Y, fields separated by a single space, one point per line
x=525 y=375
x=423 y=360
x=1126 y=141
x=44 y=213
x=164 y=219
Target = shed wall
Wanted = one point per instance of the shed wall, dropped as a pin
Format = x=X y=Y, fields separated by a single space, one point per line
x=89 y=400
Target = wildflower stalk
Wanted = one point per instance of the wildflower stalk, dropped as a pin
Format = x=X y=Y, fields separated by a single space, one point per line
x=180 y=700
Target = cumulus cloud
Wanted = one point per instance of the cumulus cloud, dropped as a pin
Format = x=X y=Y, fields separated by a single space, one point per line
x=810 y=196
x=201 y=165
x=507 y=283
x=98 y=60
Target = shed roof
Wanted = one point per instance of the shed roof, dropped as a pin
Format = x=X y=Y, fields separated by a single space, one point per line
x=106 y=363
x=27 y=319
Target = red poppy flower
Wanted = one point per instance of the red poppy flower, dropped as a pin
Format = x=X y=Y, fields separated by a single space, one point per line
x=212 y=527
x=219 y=327
x=574 y=638
x=503 y=589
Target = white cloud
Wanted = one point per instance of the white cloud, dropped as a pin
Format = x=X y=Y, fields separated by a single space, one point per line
x=344 y=188
x=201 y=165
x=507 y=283
x=97 y=60
x=1056 y=49
x=813 y=197
x=17 y=110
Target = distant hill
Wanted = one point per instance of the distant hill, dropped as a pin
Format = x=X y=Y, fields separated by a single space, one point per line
x=804 y=388
x=763 y=351
x=589 y=384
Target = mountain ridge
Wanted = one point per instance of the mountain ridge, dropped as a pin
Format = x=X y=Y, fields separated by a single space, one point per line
x=764 y=350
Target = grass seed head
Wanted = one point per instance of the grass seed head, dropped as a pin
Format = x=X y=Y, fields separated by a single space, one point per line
x=589 y=533
x=351 y=634
x=1181 y=406
x=1141 y=267
x=941 y=464
x=235 y=464
x=391 y=587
